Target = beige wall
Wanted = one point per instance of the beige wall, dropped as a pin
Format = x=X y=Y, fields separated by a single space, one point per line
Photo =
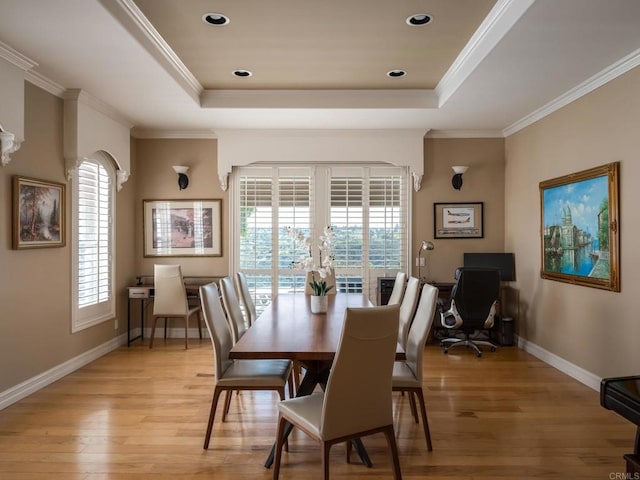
x=483 y=182
x=35 y=285
x=156 y=180
x=594 y=329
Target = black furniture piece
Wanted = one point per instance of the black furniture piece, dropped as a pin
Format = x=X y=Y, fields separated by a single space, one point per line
x=471 y=307
x=622 y=395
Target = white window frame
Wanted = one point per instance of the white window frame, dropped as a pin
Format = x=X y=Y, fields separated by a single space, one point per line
x=321 y=175
x=88 y=316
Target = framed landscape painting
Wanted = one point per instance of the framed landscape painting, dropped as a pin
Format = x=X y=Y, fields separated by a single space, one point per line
x=38 y=213
x=580 y=228
x=182 y=228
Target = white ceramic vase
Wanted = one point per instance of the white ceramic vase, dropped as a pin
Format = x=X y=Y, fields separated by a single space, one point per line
x=319 y=304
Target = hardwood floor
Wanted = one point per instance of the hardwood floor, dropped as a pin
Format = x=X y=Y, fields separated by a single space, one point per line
x=138 y=413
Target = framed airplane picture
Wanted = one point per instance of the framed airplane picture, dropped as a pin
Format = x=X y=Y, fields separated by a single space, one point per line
x=458 y=220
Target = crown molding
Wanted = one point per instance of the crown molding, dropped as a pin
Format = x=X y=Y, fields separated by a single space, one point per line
x=501 y=18
x=173 y=134
x=465 y=134
x=16 y=58
x=599 y=79
x=87 y=99
x=133 y=17
x=366 y=99
x=45 y=83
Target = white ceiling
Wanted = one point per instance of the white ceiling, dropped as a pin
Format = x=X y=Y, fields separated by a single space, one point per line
x=495 y=65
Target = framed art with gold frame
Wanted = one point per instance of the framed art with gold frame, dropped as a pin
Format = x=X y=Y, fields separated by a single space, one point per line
x=580 y=229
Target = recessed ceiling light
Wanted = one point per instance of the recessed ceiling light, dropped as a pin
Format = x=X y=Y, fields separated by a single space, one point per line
x=396 y=73
x=419 y=19
x=242 y=73
x=217 y=19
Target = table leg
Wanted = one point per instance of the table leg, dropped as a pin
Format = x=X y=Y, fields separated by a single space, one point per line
x=128 y=321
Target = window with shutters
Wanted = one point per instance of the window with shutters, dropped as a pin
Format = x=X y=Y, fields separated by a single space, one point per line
x=366 y=206
x=93 y=239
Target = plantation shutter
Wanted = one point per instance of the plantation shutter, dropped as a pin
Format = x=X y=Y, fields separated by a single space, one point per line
x=94 y=234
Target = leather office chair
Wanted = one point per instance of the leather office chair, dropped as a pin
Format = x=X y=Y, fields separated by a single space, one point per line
x=357 y=398
x=235 y=374
x=472 y=307
x=407 y=309
x=170 y=300
x=244 y=293
x=407 y=375
x=399 y=286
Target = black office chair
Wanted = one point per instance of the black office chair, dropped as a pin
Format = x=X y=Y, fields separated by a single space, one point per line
x=472 y=307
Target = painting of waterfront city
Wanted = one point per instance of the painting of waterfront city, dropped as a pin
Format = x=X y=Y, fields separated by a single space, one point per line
x=577 y=233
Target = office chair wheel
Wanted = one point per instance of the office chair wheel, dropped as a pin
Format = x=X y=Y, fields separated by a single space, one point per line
x=493 y=349
x=479 y=354
x=445 y=350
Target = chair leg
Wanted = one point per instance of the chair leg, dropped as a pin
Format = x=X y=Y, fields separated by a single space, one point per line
x=186 y=332
x=227 y=403
x=326 y=448
x=290 y=382
x=412 y=404
x=279 y=442
x=393 y=447
x=281 y=394
x=348 y=445
x=153 y=331
x=212 y=414
x=425 y=420
x=200 y=324
x=166 y=322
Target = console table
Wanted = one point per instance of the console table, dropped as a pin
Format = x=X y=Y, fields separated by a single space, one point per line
x=144 y=292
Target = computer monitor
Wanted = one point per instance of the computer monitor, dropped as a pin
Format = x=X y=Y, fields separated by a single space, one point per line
x=504 y=262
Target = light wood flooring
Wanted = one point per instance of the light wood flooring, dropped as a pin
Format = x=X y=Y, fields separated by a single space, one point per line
x=138 y=413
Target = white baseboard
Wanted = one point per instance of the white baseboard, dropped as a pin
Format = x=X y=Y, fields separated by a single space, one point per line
x=578 y=373
x=34 y=384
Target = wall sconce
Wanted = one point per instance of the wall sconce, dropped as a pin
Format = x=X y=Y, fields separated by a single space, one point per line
x=8 y=145
x=183 y=180
x=424 y=246
x=456 y=181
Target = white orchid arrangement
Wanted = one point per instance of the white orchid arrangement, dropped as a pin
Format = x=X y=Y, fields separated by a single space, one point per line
x=306 y=262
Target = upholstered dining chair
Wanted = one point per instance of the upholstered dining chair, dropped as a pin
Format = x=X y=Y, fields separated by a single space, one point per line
x=357 y=399
x=398 y=289
x=235 y=374
x=407 y=375
x=407 y=309
x=238 y=328
x=232 y=307
x=242 y=286
x=170 y=300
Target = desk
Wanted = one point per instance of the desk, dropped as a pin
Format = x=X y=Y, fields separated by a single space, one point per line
x=144 y=293
x=288 y=329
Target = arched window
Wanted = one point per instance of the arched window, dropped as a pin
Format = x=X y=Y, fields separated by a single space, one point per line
x=93 y=242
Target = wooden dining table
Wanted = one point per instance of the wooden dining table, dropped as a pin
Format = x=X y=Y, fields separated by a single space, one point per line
x=287 y=329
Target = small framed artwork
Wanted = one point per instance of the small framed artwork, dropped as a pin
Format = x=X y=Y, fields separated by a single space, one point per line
x=580 y=228
x=182 y=228
x=458 y=220
x=38 y=213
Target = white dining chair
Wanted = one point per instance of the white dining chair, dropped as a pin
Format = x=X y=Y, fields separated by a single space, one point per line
x=357 y=399
x=249 y=306
x=398 y=289
x=235 y=374
x=232 y=308
x=407 y=374
x=408 y=308
x=170 y=300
